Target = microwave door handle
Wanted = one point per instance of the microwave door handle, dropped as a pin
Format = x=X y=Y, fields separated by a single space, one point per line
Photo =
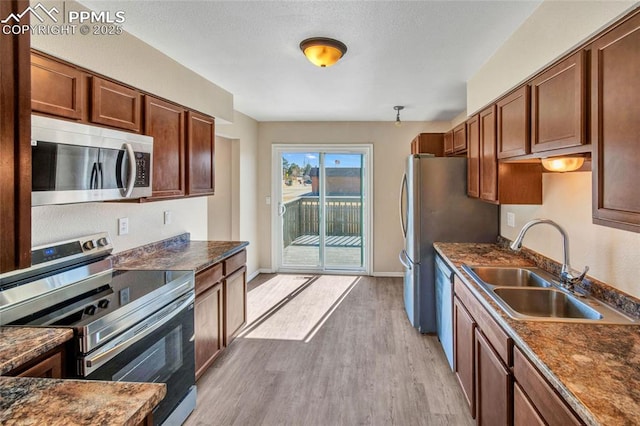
x=133 y=172
x=99 y=177
x=93 y=184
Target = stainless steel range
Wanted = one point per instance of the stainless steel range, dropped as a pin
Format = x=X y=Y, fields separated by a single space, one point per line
x=134 y=326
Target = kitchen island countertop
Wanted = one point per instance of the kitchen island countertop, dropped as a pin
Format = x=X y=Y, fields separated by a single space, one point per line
x=19 y=345
x=596 y=368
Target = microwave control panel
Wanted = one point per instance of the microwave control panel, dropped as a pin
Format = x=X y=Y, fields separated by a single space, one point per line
x=143 y=166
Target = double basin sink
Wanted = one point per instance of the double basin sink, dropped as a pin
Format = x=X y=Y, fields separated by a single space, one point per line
x=529 y=293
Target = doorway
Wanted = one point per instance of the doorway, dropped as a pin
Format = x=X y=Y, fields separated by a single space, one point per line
x=322 y=208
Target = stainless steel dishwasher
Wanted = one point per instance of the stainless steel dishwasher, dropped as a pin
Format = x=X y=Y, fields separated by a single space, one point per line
x=444 y=307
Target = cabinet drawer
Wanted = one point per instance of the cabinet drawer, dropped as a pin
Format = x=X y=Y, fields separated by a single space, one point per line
x=208 y=278
x=524 y=413
x=500 y=341
x=234 y=262
x=547 y=402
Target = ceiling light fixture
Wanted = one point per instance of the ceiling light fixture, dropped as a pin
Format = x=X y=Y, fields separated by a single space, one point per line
x=323 y=52
x=562 y=164
x=398 y=108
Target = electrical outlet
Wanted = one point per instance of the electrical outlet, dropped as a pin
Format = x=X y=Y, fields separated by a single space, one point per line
x=511 y=219
x=267 y=200
x=167 y=217
x=123 y=226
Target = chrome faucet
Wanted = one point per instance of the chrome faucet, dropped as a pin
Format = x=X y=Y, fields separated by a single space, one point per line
x=566 y=276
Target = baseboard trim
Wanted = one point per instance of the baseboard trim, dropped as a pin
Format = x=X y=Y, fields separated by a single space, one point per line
x=389 y=274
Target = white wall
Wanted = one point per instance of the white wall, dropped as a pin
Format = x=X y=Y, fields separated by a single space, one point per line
x=391 y=146
x=128 y=59
x=245 y=158
x=146 y=221
x=220 y=204
x=553 y=29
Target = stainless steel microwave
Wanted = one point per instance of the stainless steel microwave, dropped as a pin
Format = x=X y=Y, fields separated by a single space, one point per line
x=75 y=163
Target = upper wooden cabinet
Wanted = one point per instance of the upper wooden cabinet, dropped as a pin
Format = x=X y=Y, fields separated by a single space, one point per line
x=448 y=143
x=201 y=137
x=115 y=105
x=428 y=143
x=513 y=123
x=615 y=126
x=56 y=88
x=15 y=146
x=460 y=138
x=558 y=106
x=473 y=156
x=488 y=157
x=493 y=181
x=165 y=122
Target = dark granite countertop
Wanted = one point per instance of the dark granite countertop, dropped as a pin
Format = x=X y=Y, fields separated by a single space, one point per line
x=596 y=368
x=52 y=402
x=19 y=345
x=178 y=253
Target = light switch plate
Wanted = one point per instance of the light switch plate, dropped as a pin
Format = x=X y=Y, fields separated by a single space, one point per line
x=511 y=219
x=167 y=217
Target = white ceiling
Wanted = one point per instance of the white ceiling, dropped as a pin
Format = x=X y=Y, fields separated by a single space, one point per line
x=413 y=53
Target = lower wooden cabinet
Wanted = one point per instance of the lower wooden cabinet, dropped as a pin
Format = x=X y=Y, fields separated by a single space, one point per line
x=544 y=400
x=493 y=378
x=220 y=309
x=235 y=304
x=524 y=413
x=48 y=365
x=208 y=327
x=463 y=353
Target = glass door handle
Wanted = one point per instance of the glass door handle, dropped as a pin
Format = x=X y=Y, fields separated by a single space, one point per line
x=281 y=209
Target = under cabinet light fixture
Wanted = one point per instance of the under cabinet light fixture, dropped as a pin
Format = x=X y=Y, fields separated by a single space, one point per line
x=562 y=164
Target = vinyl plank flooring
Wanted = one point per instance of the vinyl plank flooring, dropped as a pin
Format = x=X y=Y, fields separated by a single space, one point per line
x=364 y=366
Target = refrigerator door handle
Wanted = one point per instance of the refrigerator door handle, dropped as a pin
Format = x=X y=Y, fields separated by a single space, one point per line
x=405 y=260
x=403 y=190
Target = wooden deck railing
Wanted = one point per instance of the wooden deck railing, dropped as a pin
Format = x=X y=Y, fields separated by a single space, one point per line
x=302 y=217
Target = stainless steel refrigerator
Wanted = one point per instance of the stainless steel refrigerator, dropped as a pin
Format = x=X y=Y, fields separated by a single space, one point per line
x=434 y=206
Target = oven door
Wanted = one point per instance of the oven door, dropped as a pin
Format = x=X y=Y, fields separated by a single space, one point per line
x=160 y=352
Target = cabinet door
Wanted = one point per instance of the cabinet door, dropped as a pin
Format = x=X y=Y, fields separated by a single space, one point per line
x=463 y=355
x=235 y=304
x=201 y=137
x=473 y=156
x=115 y=105
x=493 y=386
x=165 y=122
x=558 y=106
x=50 y=368
x=513 y=123
x=448 y=142
x=460 y=138
x=488 y=158
x=15 y=146
x=524 y=413
x=56 y=88
x=615 y=127
x=208 y=327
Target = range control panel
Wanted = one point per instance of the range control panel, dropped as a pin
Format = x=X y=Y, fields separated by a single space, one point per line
x=86 y=245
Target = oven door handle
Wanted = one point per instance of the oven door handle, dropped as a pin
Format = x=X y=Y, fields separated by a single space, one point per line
x=142 y=330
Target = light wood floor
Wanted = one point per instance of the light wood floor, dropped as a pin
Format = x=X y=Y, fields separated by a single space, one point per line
x=365 y=365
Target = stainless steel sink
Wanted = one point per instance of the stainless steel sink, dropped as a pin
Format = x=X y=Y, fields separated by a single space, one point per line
x=510 y=277
x=545 y=303
x=528 y=293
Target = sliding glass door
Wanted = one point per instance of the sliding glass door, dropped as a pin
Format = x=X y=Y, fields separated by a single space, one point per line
x=321 y=210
